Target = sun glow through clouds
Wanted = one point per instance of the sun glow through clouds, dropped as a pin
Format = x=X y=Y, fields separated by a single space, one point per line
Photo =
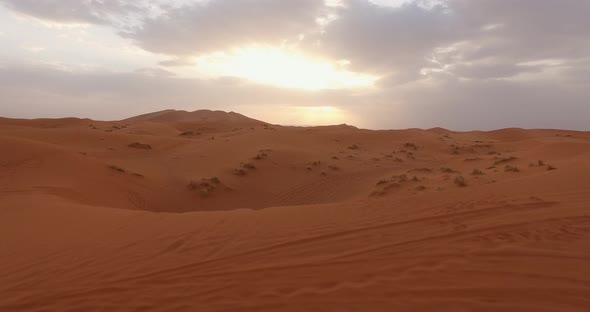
x=283 y=68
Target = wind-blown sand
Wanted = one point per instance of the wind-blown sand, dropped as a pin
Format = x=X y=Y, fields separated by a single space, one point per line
x=210 y=211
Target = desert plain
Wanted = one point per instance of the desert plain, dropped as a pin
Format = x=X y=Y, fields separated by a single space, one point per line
x=215 y=211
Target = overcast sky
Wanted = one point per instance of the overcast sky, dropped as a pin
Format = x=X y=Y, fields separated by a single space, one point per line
x=458 y=64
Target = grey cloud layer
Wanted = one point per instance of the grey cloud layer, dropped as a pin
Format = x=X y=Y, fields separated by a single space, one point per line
x=215 y=25
x=75 y=11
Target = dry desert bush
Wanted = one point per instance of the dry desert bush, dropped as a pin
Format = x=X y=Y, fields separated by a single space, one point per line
x=460 y=181
x=140 y=146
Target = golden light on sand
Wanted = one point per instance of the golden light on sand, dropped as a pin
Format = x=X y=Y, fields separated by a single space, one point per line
x=282 y=67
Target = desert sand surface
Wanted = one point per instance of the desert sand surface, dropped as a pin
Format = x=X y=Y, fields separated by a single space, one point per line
x=214 y=211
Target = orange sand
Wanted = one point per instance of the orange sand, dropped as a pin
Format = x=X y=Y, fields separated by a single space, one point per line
x=213 y=211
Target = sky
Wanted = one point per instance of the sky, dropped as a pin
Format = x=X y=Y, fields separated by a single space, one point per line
x=377 y=64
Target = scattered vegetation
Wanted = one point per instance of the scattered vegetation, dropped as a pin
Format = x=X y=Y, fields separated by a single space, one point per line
x=353 y=147
x=140 y=146
x=118 y=169
x=447 y=170
x=509 y=168
x=400 y=178
x=472 y=159
x=240 y=172
x=261 y=156
x=424 y=170
x=460 y=181
x=477 y=172
x=541 y=163
x=420 y=188
x=189 y=133
x=411 y=145
x=503 y=160
x=205 y=186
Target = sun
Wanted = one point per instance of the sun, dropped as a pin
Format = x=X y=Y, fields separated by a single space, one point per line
x=282 y=67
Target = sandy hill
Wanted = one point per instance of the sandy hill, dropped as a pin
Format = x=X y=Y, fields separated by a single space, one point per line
x=214 y=211
x=200 y=116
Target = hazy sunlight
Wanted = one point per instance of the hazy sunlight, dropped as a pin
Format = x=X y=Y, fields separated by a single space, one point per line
x=282 y=67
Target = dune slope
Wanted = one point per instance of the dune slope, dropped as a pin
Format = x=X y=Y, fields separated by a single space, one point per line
x=172 y=212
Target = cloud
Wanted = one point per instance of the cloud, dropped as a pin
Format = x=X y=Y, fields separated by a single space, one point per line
x=385 y=39
x=202 y=27
x=471 y=39
x=74 y=11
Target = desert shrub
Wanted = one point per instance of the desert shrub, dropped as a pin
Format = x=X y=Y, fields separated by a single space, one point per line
x=460 y=181
x=250 y=166
x=391 y=186
x=401 y=178
x=115 y=168
x=425 y=170
x=378 y=193
x=411 y=145
x=260 y=156
x=477 y=172
x=205 y=186
x=509 y=168
x=549 y=168
x=447 y=170
x=189 y=133
x=504 y=160
x=353 y=147
x=472 y=159
x=139 y=145
x=239 y=172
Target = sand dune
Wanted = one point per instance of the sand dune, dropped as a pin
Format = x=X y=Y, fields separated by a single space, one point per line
x=214 y=211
